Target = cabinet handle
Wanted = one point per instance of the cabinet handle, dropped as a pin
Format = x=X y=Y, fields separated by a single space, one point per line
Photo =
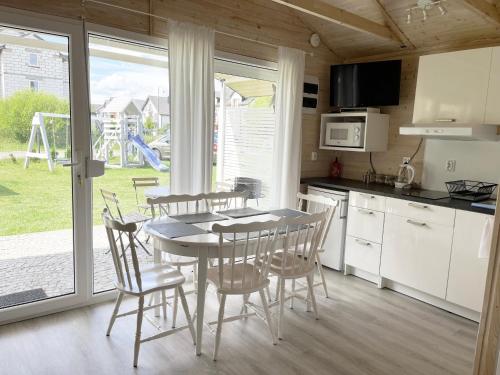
x=364 y=243
x=419 y=223
x=416 y=205
x=446 y=120
x=367 y=195
x=366 y=212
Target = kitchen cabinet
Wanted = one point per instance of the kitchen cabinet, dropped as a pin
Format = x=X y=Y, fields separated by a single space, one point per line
x=467 y=276
x=452 y=87
x=367 y=201
x=365 y=224
x=416 y=253
x=492 y=114
x=363 y=254
x=421 y=211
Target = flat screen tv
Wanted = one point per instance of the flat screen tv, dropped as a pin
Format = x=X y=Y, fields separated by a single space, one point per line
x=372 y=84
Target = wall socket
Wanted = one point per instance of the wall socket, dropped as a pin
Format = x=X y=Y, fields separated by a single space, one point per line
x=314 y=155
x=451 y=165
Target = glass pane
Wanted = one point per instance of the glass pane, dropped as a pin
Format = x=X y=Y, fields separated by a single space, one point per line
x=36 y=220
x=130 y=132
x=244 y=136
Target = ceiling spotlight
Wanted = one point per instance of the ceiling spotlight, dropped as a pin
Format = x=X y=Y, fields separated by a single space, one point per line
x=424 y=14
x=408 y=17
x=442 y=9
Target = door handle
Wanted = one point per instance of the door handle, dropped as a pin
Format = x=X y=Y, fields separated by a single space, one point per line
x=366 y=212
x=416 y=205
x=445 y=120
x=361 y=242
x=418 y=223
x=369 y=196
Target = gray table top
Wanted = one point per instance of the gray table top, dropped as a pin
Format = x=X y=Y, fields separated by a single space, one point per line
x=158 y=191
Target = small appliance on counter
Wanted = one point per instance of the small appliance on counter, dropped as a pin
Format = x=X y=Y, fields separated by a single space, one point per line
x=336 y=169
x=474 y=191
x=405 y=176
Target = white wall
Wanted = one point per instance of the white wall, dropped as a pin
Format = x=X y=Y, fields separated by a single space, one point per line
x=475 y=161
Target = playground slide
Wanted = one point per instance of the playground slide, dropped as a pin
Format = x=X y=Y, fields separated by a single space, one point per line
x=149 y=154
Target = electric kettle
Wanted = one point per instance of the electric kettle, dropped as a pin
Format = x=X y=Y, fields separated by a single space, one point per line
x=405 y=177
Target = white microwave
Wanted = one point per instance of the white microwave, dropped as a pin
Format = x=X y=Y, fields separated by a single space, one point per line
x=345 y=134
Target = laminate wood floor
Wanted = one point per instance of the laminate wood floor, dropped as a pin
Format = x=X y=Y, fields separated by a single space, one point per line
x=362 y=330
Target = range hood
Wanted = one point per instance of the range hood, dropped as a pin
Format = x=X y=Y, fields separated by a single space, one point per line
x=452 y=132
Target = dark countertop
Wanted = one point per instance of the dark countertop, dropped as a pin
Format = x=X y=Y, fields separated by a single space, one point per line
x=389 y=191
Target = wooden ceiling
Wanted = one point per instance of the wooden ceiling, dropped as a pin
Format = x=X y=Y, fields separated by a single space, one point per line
x=467 y=23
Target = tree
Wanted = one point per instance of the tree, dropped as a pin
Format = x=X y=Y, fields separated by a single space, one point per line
x=16 y=113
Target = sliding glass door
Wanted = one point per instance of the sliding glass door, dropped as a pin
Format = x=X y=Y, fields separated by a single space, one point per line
x=42 y=188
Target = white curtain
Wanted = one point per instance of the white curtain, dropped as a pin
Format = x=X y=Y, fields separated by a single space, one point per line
x=287 y=138
x=191 y=65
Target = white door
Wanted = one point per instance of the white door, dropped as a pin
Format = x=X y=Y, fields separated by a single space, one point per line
x=467 y=278
x=416 y=253
x=452 y=87
x=43 y=242
x=492 y=115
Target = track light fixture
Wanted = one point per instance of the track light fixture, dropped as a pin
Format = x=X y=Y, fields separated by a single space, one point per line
x=425 y=6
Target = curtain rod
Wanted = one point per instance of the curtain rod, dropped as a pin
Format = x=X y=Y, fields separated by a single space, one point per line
x=166 y=20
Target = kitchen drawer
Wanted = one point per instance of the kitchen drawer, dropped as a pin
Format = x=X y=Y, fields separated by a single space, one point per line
x=363 y=254
x=366 y=200
x=365 y=224
x=416 y=254
x=421 y=211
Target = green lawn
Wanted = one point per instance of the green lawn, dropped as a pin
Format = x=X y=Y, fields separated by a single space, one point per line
x=35 y=200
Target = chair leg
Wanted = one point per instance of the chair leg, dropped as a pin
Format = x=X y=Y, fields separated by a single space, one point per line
x=282 y=307
x=277 y=289
x=269 y=299
x=244 y=308
x=186 y=312
x=293 y=292
x=321 y=274
x=174 y=312
x=219 y=325
x=115 y=312
x=164 y=303
x=195 y=277
x=268 y=315
x=310 y=286
x=140 y=312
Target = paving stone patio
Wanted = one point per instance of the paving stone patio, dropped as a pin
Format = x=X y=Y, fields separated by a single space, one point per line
x=34 y=261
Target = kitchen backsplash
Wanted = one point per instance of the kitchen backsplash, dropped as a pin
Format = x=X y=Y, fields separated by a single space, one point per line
x=474 y=161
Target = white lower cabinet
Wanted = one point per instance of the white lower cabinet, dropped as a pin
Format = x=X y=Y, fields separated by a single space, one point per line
x=363 y=254
x=467 y=276
x=416 y=254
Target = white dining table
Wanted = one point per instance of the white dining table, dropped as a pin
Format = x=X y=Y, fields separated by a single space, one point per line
x=202 y=246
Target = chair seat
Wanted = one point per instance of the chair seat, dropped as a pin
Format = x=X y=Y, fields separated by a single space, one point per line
x=292 y=269
x=179 y=260
x=135 y=217
x=251 y=277
x=154 y=278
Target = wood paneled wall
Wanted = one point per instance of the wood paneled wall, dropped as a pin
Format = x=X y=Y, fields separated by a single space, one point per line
x=356 y=163
x=256 y=19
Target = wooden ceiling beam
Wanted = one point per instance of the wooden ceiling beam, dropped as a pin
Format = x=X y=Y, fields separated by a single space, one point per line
x=339 y=16
x=405 y=41
x=485 y=9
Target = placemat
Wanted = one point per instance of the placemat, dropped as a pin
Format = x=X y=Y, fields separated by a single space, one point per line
x=174 y=230
x=203 y=217
x=236 y=213
x=287 y=212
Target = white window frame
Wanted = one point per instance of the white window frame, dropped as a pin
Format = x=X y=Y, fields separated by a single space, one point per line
x=37 y=57
x=34 y=85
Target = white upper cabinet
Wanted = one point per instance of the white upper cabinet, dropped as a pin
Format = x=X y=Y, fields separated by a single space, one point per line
x=492 y=115
x=467 y=277
x=452 y=87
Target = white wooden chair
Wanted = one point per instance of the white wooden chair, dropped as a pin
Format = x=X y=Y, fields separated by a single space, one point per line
x=311 y=203
x=135 y=281
x=239 y=275
x=139 y=184
x=179 y=205
x=113 y=205
x=225 y=200
x=301 y=238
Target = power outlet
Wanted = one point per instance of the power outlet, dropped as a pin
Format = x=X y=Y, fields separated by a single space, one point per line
x=314 y=156
x=451 y=165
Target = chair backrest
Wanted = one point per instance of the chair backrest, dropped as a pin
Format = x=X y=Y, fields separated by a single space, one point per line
x=126 y=274
x=301 y=239
x=143 y=182
x=224 y=200
x=112 y=204
x=313 y=203
x=180 y=204
x=249 y=245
